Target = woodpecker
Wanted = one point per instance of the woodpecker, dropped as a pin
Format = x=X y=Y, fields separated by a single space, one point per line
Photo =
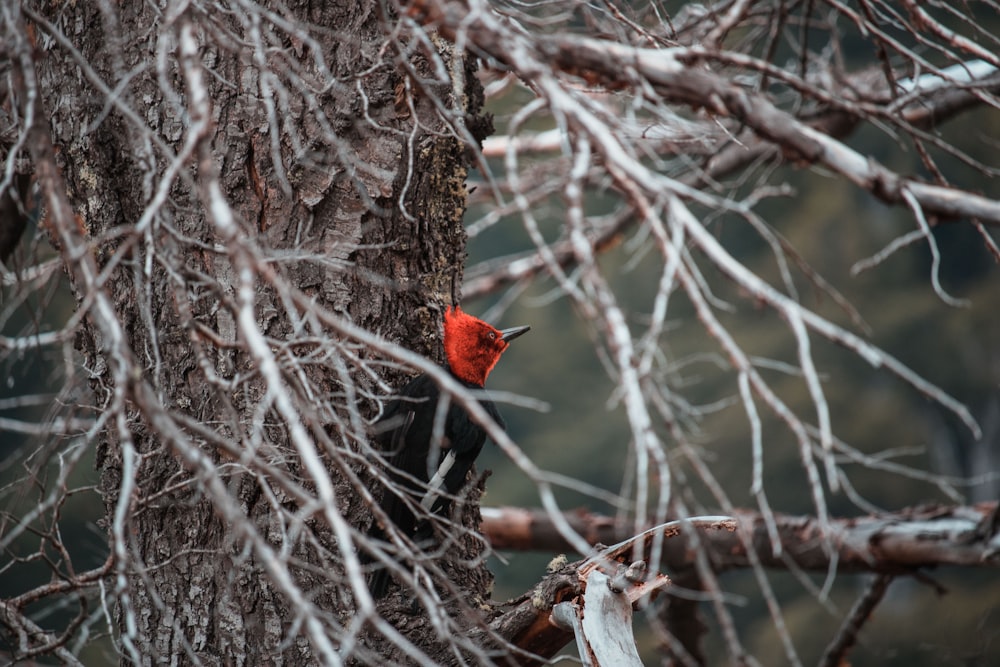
x=432 y=472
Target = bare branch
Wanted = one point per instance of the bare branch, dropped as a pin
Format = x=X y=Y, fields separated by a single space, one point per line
x=836 y=653
x=900 y=542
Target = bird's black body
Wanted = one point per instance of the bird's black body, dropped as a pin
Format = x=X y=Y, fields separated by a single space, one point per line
x=405 y=436
x=427 y=468
x=407 y=442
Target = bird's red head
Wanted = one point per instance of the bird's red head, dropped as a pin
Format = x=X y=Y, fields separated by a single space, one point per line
x=472 y=347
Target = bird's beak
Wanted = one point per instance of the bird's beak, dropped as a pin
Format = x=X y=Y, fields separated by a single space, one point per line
x=508 y=335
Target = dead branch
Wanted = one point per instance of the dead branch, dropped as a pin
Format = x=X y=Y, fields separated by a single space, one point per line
x=932 y=110
x=606 y=586
x=903 y=541
x=677 y=76
x=836 y=652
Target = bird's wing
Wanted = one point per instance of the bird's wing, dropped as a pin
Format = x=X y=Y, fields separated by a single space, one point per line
x=466 y=436
x=400 y=430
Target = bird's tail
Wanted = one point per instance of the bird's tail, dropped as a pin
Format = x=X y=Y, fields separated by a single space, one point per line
x=400 y=516
x=378 y=577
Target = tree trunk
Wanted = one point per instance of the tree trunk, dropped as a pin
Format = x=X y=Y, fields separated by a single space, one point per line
x=347 y=186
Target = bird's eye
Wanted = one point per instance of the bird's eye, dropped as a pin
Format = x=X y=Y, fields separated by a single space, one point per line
x=493 y=335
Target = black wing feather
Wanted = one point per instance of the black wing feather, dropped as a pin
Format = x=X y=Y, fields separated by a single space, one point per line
x=405 y=436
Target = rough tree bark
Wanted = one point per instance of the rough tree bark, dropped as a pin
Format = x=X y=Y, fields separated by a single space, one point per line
x=351 y=186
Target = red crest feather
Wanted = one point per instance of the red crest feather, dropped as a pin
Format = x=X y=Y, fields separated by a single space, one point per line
x=471 y=346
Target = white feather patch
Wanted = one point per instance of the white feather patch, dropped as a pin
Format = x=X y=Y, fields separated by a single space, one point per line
x=437 y=481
